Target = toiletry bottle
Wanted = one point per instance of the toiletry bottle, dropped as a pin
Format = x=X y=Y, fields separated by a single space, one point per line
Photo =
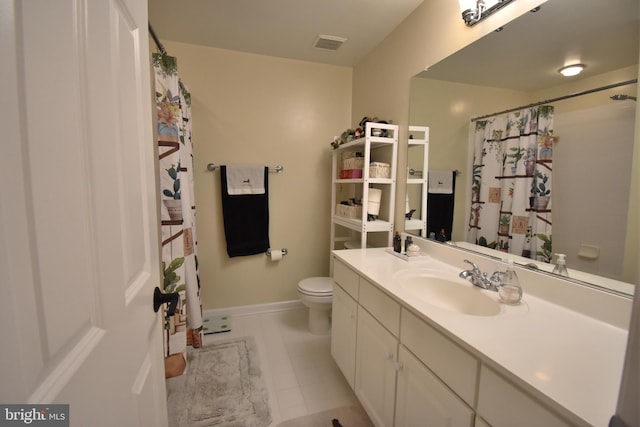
x=510 y=291
x=407 y=242
x=397 y=243
x=561 y=266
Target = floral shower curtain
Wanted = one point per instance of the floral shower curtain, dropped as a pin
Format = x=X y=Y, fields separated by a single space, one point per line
x=179 y=256
x=511 y=188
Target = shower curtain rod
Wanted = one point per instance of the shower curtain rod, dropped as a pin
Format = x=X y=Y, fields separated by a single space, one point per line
x=157 y=40
x=560 y=98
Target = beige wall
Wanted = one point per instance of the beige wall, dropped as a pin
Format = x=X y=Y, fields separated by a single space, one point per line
x=253 y=109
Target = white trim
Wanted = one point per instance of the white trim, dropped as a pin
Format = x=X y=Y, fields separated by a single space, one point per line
x=247 y=310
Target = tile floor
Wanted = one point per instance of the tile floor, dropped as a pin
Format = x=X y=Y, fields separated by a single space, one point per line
x=301 y=376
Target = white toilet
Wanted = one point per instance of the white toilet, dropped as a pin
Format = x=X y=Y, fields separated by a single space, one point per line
x=316 y=293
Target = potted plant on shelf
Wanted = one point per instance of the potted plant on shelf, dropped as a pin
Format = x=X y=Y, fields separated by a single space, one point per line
x=515 y=156
x=504 y=224
x=529 y=161
x=540 y=191
x=546 y=249
x=174 y=202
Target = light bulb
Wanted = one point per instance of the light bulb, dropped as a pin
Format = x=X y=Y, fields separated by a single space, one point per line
x=571 y=70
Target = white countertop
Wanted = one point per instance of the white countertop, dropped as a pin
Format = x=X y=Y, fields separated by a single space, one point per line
x=573 y=359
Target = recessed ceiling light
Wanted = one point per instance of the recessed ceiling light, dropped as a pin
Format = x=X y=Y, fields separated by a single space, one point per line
x=571 y=70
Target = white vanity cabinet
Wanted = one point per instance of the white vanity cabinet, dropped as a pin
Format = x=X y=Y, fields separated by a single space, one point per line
x=406 y=372
x=392 y=384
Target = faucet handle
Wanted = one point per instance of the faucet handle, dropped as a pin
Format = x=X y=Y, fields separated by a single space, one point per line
x=496 y=278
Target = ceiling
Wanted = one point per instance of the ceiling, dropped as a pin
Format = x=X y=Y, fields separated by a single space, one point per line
x=530 y=50
x=281 y=28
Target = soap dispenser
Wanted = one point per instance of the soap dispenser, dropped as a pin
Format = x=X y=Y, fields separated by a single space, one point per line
x=397 y=243
x=407 y=242
x=510 y=291
x=561 y=266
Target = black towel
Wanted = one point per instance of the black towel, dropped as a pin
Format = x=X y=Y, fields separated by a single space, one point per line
x=440 y=212
x=246 y=219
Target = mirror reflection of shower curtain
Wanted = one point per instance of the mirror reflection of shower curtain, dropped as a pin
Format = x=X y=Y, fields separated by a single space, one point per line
x=511 y=187
x=179 y=256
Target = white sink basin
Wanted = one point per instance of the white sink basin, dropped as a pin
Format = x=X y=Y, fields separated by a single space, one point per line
x=454 y=295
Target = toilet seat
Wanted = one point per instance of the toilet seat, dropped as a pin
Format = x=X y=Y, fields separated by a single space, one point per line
x=316 y=286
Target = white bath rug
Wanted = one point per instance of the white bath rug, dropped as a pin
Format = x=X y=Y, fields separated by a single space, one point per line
x=223 y=387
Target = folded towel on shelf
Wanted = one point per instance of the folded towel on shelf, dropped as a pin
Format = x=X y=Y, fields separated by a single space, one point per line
x=245 y=180
x=441 y=182
x=245 y=214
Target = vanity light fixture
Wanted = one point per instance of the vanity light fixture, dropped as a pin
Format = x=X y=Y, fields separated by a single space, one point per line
x=571 y=70
x=473 y=11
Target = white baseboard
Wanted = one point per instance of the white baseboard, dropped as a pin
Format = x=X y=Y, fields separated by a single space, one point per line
x=246 y=310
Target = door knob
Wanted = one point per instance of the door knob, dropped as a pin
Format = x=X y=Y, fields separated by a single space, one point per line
x=160 y=298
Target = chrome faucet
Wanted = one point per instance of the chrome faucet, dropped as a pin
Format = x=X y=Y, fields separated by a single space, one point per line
x=480 y=279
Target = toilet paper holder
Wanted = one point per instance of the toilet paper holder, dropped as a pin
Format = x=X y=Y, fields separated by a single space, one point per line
x=284 y=251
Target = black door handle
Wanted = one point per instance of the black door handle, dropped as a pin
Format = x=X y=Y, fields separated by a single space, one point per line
x=160 y=298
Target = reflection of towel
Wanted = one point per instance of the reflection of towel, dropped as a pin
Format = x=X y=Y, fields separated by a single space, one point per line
x=245 y=180
x=246 y=217
x=441 y=182
x=440 y=208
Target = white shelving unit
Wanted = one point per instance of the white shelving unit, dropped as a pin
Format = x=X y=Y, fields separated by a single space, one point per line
x=417 y=179
x=373 y=148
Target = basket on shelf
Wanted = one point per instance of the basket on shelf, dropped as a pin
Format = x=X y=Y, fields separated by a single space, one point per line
x=353 y=163
x=350 y=173
x=379 y=170
x=349 y=211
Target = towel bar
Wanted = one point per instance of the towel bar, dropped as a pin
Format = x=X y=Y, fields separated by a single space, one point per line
x=277 y=169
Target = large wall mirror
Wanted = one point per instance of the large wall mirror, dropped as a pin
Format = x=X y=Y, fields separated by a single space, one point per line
x=595 y=130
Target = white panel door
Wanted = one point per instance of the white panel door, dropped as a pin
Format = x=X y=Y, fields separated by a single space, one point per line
x=78 y=219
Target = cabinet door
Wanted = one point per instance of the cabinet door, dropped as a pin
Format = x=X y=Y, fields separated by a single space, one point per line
x=343 y=333
x=376 y=355
x=423 y=400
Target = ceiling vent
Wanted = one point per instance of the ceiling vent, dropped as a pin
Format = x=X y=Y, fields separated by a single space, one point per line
x=328 y=42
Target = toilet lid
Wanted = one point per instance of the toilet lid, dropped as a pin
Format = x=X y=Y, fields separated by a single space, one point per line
x=316 y=286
